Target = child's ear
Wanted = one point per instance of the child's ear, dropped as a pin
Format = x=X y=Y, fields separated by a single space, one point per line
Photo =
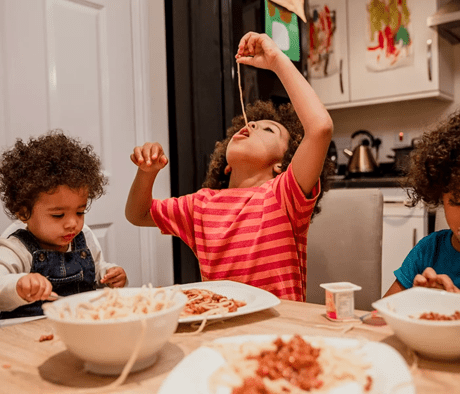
x=22 y=214
x=228 y=169
x=277 y=168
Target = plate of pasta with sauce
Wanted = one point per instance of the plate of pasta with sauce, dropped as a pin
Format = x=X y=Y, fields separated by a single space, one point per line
x=222 y=299
x=290 y=364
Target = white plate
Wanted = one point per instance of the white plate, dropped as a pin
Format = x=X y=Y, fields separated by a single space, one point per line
x=388 y=368
x=19 y=320
x=256 y=299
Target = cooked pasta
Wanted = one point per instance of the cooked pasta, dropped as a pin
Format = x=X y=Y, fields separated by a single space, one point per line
x=110 y=304
x=203 y=301
x=292 y=367
x=241 y=96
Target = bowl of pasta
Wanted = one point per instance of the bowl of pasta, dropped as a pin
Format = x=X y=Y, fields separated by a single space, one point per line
x=426 y=320
x=117 y=330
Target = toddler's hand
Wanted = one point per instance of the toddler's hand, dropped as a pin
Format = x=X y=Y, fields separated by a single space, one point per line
x=115 y=277
x=33 y=287
x=149 y=157
x=258 y=50
x=429 y=278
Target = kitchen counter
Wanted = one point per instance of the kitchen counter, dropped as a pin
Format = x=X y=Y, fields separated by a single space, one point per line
x=340 y=182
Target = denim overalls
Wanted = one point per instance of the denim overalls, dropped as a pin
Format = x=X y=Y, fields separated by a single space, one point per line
x=69 y=273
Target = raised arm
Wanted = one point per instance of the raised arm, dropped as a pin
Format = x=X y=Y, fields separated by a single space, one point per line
x=260 y=51
x=150 y=159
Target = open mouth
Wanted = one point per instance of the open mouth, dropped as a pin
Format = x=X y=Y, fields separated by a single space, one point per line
x=244 y=132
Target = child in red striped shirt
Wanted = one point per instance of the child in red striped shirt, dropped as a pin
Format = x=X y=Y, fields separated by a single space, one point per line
x=249 y=223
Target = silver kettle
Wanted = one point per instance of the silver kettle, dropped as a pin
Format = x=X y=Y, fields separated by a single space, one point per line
x=361 y=160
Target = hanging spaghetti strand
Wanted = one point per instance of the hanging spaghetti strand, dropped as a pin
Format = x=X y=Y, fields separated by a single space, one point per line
x=241 y=96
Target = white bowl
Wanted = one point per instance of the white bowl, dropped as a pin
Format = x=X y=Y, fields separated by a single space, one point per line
x=106 y=345
x=430 y=338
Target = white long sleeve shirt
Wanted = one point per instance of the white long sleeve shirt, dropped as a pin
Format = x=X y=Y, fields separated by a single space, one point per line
x=16 y=262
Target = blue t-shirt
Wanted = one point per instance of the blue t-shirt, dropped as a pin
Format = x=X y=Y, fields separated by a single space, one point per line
x=435 y=251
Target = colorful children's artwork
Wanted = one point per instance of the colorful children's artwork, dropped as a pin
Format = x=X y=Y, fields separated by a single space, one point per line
x=322 y=58
x=282 y=26
x=389 y=38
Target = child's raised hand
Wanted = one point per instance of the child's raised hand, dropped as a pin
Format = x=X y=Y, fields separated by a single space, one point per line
x=149 y=157
x=429 y=278
x=115 y=277
x=33 y=287
x=258 y=50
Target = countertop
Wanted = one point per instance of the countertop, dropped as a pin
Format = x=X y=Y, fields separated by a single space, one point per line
x=341 y=182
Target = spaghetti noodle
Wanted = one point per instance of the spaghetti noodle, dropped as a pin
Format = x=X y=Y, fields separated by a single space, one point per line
x=241 y=96
x=202 y=301
x=110 y=304
x=294 y=366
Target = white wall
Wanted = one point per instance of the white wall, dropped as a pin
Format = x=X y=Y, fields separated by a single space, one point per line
x=386 y=121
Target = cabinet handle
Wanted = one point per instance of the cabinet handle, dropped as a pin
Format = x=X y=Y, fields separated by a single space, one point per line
x=429 y=56
x=341 y=76
x=414 y=237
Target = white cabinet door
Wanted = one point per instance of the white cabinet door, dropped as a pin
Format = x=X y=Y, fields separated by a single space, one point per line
x=328 y=55
x=402 y=228
x=394 y=55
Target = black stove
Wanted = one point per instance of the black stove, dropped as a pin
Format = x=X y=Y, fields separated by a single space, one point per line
x=386 y=176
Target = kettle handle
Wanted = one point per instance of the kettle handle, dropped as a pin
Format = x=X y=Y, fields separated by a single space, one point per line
x=365 y=132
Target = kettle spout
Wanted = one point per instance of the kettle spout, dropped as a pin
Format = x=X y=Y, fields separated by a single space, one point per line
x=348 y=152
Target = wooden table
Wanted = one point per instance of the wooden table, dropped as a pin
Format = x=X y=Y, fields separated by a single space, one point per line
x=30 y=366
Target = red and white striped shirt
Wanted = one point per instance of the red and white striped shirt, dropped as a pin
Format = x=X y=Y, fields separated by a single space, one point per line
x=256 y=236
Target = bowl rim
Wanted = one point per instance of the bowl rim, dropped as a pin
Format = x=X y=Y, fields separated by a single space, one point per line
x=179 y=304
x=380 y=306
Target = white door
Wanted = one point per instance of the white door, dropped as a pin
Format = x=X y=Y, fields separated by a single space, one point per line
x=71 y=64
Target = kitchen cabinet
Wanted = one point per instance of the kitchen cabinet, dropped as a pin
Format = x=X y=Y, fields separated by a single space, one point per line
x=378 y=70
x=403 y=227
x=328 y=56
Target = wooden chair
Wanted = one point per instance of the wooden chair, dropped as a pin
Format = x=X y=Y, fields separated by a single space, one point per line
x=344 y=244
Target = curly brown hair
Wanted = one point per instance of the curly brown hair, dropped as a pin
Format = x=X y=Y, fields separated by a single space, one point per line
x=263 y=110
x=435 y=164
x=43 y=164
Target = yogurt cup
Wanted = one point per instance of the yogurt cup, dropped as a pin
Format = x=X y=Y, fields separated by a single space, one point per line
x=340 y=300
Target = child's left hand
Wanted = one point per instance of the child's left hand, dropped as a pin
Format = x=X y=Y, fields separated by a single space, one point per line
x=115 y=277
x=258 y=50
x=429 y=278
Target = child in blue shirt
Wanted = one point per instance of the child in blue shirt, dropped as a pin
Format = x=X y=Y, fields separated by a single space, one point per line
x=434 y=179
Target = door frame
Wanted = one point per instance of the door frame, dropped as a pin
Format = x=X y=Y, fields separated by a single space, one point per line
x=157 y=268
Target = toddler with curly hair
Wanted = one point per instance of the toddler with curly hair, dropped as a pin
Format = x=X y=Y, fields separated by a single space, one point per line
x=249 y=223
x=434 y=179
x=48 y=183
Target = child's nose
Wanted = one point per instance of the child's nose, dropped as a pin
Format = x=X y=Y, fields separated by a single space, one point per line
x=71 y=222
x=252 y=125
